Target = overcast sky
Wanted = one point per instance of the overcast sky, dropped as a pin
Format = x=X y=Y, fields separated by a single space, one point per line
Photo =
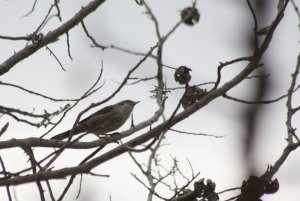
x=221 y=35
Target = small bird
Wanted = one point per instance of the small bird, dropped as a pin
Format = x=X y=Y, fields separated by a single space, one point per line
x=107 y=119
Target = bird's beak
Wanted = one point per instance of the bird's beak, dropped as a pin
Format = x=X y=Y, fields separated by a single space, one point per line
x=136 y=102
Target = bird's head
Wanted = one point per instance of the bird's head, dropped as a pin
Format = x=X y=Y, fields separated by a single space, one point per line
x=128 y=102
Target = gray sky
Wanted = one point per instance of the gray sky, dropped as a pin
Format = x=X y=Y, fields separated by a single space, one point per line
x=221 y=35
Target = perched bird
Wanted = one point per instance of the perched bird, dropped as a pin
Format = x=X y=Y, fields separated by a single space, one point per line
x=107 y=119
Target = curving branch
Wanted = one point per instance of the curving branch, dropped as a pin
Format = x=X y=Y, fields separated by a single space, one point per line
x=49 y=37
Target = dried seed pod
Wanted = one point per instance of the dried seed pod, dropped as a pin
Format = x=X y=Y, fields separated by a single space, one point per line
x=190 y=16
x=252 y=188
x=205 y=190
x=192 y=96
x=182 y=75
x=188 y=195
x=271 y=186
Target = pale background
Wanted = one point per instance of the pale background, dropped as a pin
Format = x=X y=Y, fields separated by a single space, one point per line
x=221 y=35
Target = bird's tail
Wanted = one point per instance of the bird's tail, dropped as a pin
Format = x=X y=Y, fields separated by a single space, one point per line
x=61 y=136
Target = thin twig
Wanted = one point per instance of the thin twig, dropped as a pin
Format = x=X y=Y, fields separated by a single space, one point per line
x=56 y=2
x=68 y=44
x=36 y=93
x=73 y=176
x=91 y=38
x=260 y=102
x=173 y=198
x=222 y=65
x=191 y=133
x=50 y=37
x=149 y=189
x=4 y=128
x=44 y=21
x=152 y=56
x=15 y=38
x=255 y=25
x=33 y=163
x=56 y=58
x=291 y=146
x=5 y=174
x=69 y=139
x=32 y=9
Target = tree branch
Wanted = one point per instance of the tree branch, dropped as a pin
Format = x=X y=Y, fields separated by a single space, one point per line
x=50 y=37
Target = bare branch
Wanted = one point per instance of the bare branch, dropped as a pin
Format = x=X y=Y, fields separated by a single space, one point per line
x=50 y=37
x=290 y=112
x=174 y=197
x=5 y=174
x=68 y=44
x=191 y=133
x=56 y=2
x=32 y=9
x=138 y=54
x=55 y=57
x=15 y=38
x=149 y=189
x=36 y=93
x=91 y=38
x=290 y=130
x=261 y=102
x=255 y=24
x=222 y=65
x=89 y=92
x=73 y=176
x=45 y=118
x=3 y=129
x=44 y=21
x=296 y=10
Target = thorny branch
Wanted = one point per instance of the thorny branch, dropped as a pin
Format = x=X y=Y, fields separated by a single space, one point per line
x=45 y=117
x=291 y=131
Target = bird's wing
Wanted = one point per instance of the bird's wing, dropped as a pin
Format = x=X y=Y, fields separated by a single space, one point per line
x=82 y=126
x=104 y=111
x=61 y=136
